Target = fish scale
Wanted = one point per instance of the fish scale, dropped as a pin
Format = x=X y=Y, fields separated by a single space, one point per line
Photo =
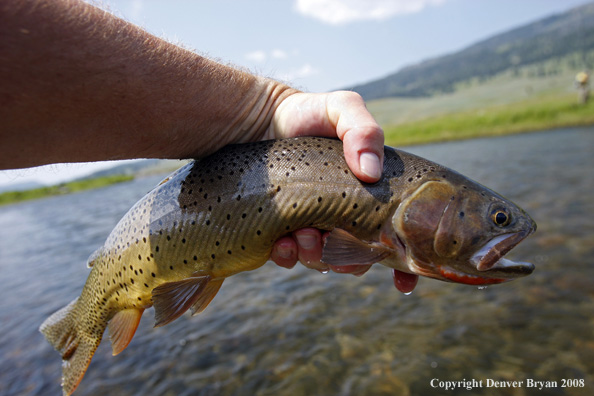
x=221 y=215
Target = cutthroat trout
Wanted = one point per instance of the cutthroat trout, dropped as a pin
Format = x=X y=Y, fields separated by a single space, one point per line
x=221 y=215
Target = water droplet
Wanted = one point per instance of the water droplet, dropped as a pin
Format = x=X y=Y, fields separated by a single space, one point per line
x=324 y=271
x=182 y=342
x=408 y=294
x=433 y=364
x=482 y=287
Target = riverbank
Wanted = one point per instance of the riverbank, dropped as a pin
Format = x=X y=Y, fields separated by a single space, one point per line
x=545 y=112
x=62 y=189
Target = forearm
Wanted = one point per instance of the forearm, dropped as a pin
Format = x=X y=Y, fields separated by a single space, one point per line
x=78 y=84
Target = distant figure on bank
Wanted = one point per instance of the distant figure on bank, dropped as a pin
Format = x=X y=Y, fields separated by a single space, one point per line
x=583 y=86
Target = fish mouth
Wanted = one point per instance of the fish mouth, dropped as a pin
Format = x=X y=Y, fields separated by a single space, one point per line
x=490 y=256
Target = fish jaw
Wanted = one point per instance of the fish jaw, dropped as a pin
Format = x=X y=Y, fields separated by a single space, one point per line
x=486 y=267
x=490 y=256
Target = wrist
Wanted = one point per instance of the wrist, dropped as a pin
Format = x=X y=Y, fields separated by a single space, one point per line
x=267 y=96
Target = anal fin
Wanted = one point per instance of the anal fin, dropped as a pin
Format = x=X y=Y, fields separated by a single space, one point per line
x=343 y=248
x=206 y=295
x=122 y=328
x=172 y=299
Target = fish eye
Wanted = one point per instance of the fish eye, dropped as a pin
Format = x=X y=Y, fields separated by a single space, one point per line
x=500 y=217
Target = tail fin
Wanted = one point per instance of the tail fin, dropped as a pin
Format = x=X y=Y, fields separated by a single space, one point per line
x=76 y=349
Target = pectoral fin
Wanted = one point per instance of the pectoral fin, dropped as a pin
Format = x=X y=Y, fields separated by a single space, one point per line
x=343 y=248
x=172 y=299
x=122 y=328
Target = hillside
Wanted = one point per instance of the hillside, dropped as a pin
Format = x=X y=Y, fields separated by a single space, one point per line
x=570 y=34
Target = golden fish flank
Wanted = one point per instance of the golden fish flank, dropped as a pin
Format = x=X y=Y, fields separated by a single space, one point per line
x=220 y=215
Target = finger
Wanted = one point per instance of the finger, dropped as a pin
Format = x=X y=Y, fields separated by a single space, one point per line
x=284 y=252
x=362 y=136
x=309 y=242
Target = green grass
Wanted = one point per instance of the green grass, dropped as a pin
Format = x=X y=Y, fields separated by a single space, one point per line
x=61 y=189
x=537 y=113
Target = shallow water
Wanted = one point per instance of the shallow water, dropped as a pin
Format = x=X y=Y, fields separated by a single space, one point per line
x=298 y=332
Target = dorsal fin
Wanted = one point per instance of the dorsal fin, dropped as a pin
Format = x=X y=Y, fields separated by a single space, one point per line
x=206 y=296
x=343 y=248
x=122 y=328
x=172 y=299
x=94 y=256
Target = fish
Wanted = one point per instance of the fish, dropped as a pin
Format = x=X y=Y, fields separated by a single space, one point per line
x=220 y=215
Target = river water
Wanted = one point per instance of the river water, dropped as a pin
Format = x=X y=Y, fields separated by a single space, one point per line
x=298 y=332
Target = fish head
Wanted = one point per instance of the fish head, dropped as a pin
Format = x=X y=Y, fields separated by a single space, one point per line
x=457 y=230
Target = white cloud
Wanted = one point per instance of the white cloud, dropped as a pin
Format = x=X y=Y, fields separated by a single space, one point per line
x=256 y=56
x=337 y=12
x=136 y=10
x=279 y=54
x=261 y=56
x=306 y=70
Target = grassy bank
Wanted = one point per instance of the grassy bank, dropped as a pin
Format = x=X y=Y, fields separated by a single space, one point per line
x=544 y=112
x=61 y=189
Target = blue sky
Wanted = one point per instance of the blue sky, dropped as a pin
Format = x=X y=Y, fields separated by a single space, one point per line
x=316 y=45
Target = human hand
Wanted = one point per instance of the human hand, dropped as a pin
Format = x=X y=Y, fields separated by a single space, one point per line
x=339 y=114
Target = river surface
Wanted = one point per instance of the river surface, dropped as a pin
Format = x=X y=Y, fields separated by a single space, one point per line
x=299 y=332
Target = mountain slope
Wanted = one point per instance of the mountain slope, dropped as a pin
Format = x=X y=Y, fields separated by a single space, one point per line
x=549 y=38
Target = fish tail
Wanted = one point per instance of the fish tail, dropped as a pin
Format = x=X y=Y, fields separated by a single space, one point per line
x=77 y=348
